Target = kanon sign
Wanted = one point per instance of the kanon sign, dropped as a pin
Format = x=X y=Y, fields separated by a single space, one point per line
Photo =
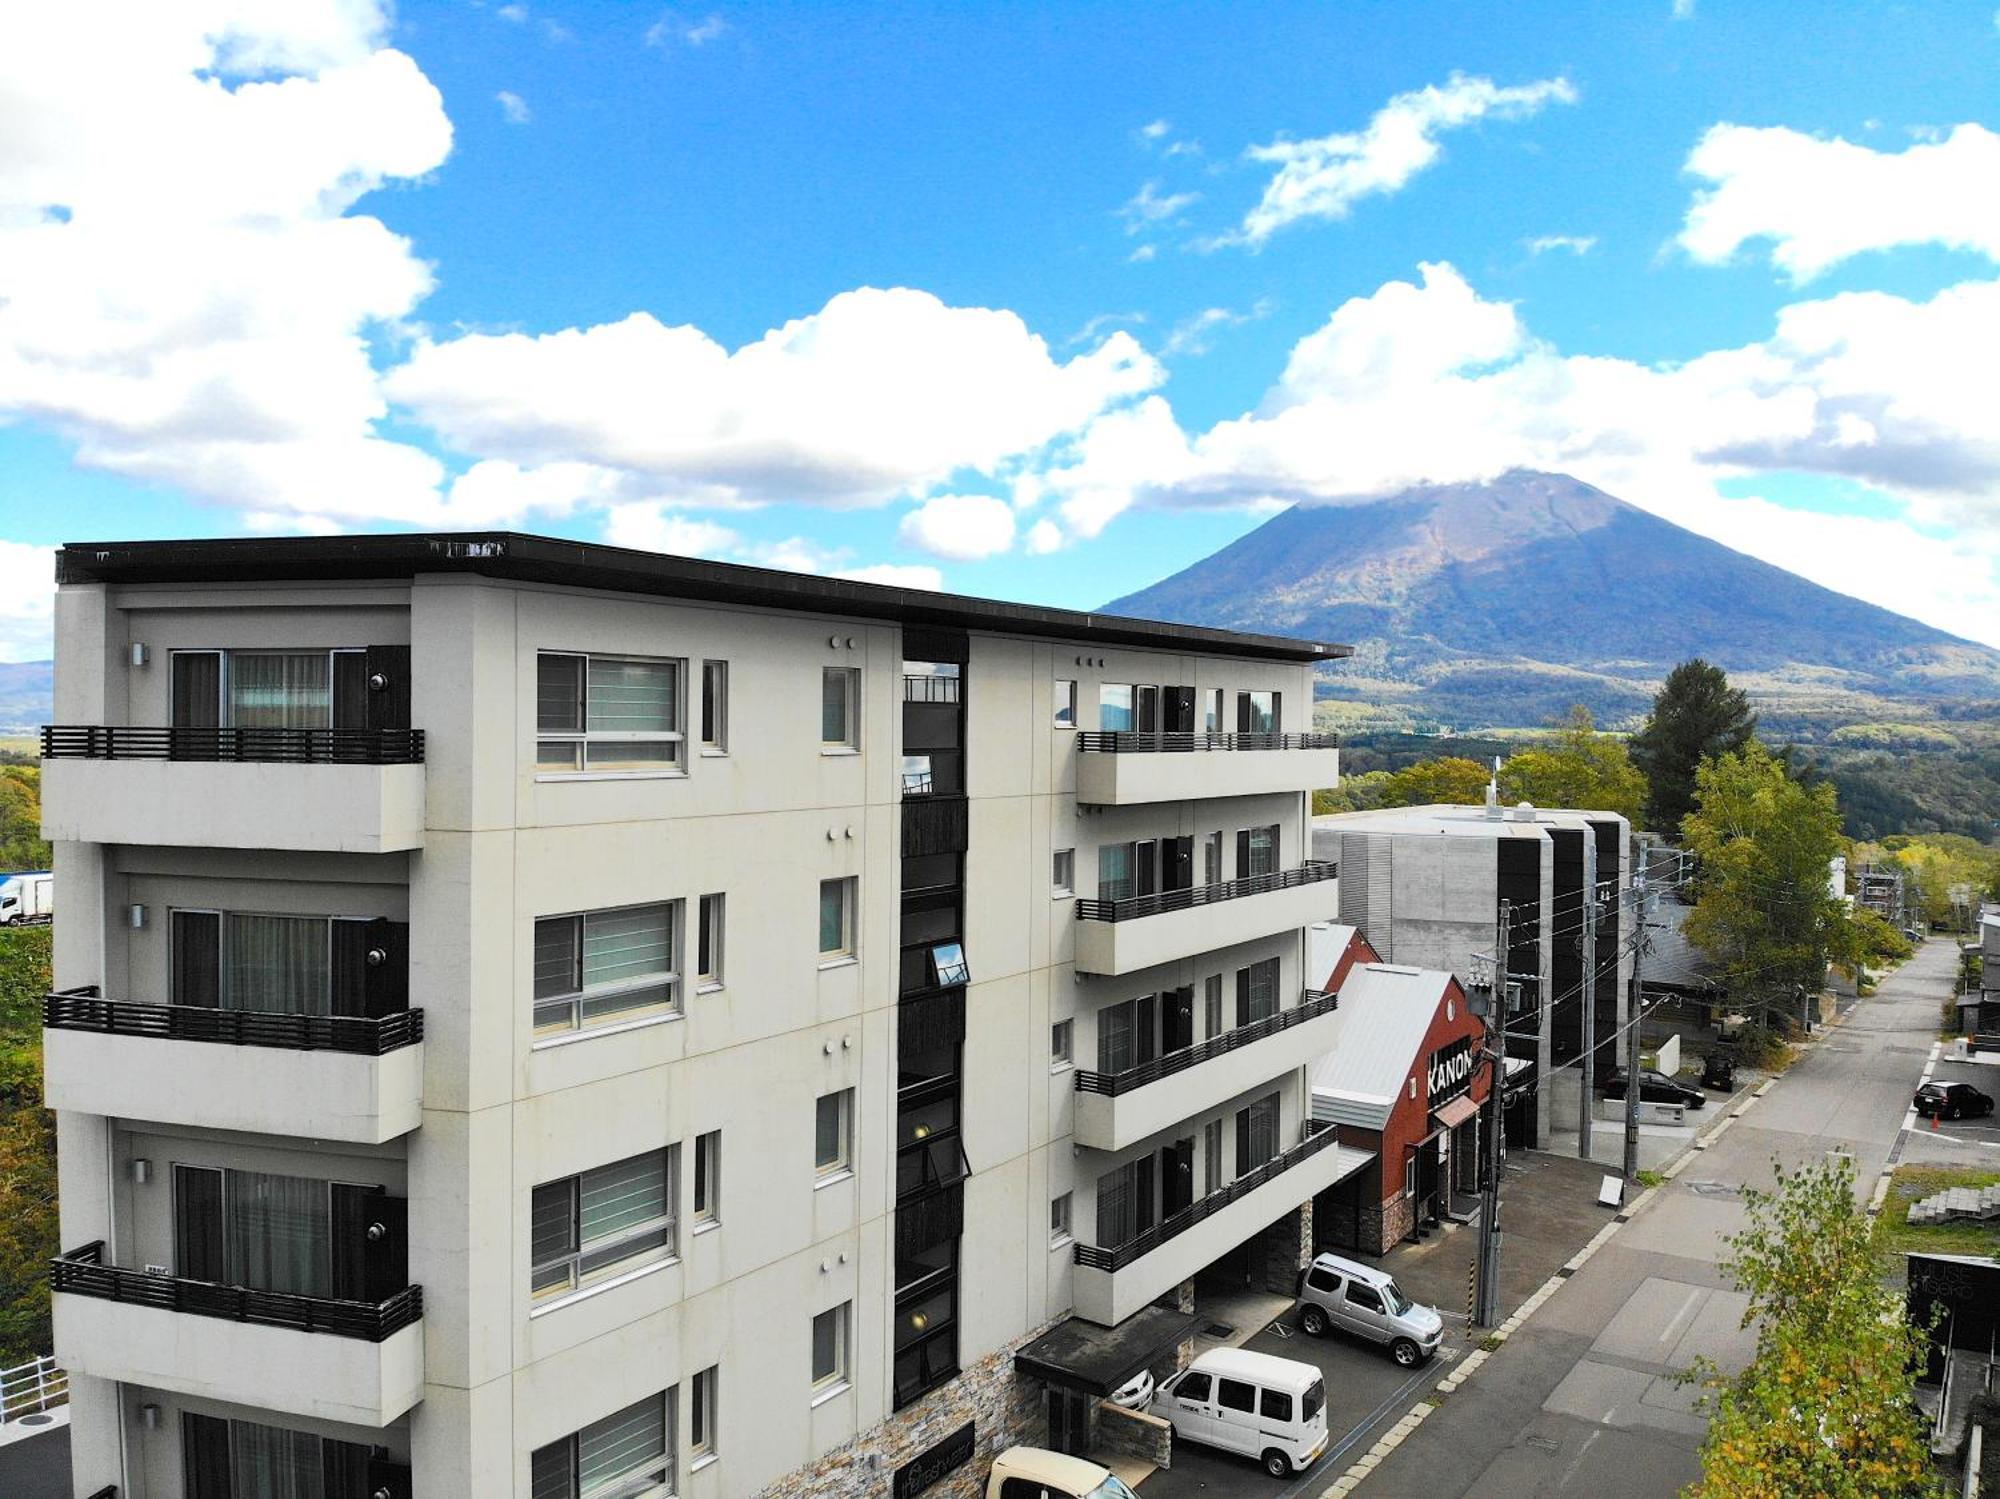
x=1449 y=1072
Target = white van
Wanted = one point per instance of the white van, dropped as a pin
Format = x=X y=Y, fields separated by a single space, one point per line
x=1272 y=1409
x=1366 y=1301
x=1035 y=1473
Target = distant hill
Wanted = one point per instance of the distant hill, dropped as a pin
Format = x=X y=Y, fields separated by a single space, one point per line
x=27 y=695
x=1497 y=606
x=1501 y=604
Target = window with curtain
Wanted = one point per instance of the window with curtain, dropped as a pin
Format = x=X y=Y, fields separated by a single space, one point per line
x=1257 y=851
x=627 y=1454
x=607 y=713
x=280 y=964
x=222 y=1459
x=602 y=967
x=602 y=1222
x=1124 y=1203
x=1257 y=992
x=278 y=690
x=1114 y=871
x=1125 y=1034
x=278 y=1233
x=1256 y=1134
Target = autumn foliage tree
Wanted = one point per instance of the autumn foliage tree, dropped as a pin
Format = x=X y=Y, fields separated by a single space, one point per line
x=1827 y=1406
x=27 y=1149
x=1577 y=767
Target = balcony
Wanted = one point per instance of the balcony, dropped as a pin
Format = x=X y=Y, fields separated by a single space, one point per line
x=315 y=1356
x=1115 y=770
x=326 y=1077
x=1118 y=1109
x=1113 y=1282
x=1123 y=936
x=347 y=790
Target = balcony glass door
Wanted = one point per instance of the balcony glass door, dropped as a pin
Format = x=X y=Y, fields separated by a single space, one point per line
x=291 y=1234
x=320 y=689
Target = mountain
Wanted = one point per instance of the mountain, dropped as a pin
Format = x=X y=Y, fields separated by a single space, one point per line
x=27 y=696
x=1501 y=604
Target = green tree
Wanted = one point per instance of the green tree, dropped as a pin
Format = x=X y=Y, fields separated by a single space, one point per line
x=1828 y=1404
x=1450 y=780
x=21 y=842
x=1362 y=793
x=1764 y=910
x=1696 y=716
x=27 y=1149
x=1579 y=767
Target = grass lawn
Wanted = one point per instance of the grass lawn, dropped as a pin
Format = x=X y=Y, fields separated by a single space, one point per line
x=1895 y=1235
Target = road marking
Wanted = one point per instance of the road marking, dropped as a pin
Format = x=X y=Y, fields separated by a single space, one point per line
x=1695 y=1293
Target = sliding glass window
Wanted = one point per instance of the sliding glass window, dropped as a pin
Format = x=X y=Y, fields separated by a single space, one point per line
x=607 y=713
x=601 y=967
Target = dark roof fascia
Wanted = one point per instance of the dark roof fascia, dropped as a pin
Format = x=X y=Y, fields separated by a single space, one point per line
x=546 y=559
x=1093 y=1360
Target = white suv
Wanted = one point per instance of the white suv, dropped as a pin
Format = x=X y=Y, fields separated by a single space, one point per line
x=1367 y=1302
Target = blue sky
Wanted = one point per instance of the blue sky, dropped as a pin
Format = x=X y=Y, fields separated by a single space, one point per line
x=1142 y=275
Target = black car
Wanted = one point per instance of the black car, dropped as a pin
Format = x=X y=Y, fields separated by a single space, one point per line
x=1654 y=1087
x=1951 y=1101
x=1718 y=1071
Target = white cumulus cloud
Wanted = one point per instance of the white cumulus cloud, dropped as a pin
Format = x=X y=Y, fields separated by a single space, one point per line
x=1821 y=201
x=964 y=527
x=880 y=393
x=189 y=295
x=1431 y=383
x=1324 y=177
x=27 y=600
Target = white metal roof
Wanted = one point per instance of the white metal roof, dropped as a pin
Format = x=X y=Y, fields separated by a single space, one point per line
x=1378 y=1029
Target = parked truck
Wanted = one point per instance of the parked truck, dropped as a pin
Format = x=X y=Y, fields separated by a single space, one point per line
x=29 y=896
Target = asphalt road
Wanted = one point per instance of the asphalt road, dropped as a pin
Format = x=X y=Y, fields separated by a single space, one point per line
x=1581 y=1401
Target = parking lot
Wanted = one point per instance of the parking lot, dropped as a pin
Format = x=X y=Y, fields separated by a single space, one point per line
x=1550 y=1212
x=1959 y=1142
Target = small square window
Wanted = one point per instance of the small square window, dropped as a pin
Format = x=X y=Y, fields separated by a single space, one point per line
x=1065 y=703
x=833 y=1134
x=1059 y=1209
x=701 y=1414
x=708 y=1178
x=840 y=708
x=1062 y=1043
x=715 y=707
x=708 y=943
x=836 y=918
x=1063 y=876
x=829 y=1348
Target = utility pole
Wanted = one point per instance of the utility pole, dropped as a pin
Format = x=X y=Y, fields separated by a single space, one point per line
x=1586 y=944
x=1488 y=1298
x=1645 y=902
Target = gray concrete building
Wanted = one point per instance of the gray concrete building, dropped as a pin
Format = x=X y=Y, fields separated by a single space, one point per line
x=543 y=1020
x=1424 y=884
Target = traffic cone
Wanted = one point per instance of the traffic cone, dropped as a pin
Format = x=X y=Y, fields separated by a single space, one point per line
x=1934 y=1120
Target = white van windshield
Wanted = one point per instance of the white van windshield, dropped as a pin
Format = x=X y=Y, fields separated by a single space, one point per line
x=1393 y=1294
x=1112 y=1488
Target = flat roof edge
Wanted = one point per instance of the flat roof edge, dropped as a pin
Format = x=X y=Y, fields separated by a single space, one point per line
x=520 y=557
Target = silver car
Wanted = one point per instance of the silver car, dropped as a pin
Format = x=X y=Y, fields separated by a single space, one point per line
x=1366 y=1301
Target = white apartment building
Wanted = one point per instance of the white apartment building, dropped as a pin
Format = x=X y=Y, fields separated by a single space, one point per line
x=542 y=1020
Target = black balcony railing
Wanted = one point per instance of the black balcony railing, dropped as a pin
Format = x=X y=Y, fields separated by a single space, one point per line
x=1128 y=743
x=1118 y=1257
x=1315 y=1004
x=82 y=1272
x=83 y=1010
x=264 y=746
x=1133 y=906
